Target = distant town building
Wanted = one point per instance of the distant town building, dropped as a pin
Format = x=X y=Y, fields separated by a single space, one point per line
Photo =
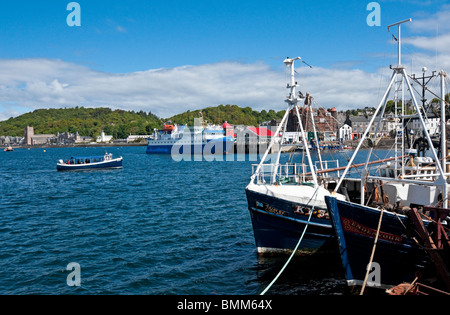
x=272 y=124
x=71 y=138
x=37 y=139
x=135 y=138
x=359 y=126
x=82 y=139
x=345 y=132
x=250 y=134
x=8 y=140
x=104 y=138
x=229 y=130
x=65 y=138
x=389 y=123
x=325 y=121
x=432 y=124
x=29 y=132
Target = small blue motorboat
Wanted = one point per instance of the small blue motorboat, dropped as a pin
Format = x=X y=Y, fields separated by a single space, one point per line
x=89 y=163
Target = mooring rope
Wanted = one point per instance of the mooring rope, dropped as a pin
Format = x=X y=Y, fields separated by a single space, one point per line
x=298 y=244
x=373 y=253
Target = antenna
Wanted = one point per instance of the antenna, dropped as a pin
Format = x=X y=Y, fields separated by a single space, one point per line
x=399 y=40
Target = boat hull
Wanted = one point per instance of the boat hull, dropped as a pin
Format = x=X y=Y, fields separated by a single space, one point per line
x=219 y=146
x=115 y=163
x=278 y=224
x=397 y=257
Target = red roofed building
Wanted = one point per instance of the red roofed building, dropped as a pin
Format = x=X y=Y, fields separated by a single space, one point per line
x=229 y=130
x=250 y=134
x=261 y=131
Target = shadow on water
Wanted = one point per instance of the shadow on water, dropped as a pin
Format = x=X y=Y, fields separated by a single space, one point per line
x=320 y=274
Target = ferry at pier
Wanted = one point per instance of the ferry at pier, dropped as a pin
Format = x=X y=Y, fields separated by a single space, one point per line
x=89 y=162
x=181 y=139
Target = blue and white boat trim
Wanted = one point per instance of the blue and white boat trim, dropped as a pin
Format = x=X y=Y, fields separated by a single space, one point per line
x=280 y=214
x=89 y=163
x=176 y=139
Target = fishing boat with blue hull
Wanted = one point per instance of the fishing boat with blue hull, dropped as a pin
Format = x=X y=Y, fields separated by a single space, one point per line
x=279 y=219
x=285 y=199
x=181 y=139
x=379 y=236
x=398 y=257
x=279 y=195
x=89 y=163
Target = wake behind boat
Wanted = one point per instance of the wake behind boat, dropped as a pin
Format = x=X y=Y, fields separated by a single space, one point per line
x=89 y=163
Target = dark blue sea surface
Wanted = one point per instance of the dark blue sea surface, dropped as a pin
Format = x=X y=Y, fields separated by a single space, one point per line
x=155 y=227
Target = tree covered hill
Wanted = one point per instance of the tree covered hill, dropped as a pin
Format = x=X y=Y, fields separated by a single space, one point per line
x=85 y=121
x=121 y=123
x=233 y=114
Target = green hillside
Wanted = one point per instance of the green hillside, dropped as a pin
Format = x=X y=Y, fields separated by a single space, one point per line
x=120 y=123
x=87 y=121
x=233 y=114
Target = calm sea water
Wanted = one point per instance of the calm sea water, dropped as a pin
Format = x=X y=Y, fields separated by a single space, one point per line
x=154 y=227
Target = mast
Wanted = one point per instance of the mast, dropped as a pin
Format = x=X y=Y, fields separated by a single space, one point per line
x=399 y=39
x=292 y=100
x=443 y=123
x=398 y=70
x=308 y=99
x=382 y=103
x=443 y=134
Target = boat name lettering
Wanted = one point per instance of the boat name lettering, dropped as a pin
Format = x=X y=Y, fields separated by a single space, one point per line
x=305 y=211
x=355 y=227
x=274 y=210
x=301 y=210
x=259 y=205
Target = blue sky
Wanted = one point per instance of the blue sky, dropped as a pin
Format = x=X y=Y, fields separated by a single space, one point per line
x=196 y=40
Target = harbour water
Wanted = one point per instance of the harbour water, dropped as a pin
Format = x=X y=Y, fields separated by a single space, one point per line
x=155 y=227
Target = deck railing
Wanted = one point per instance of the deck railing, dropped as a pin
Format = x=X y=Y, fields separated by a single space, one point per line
x=293 y=173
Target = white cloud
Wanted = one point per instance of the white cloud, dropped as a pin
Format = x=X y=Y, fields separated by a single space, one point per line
x=440 y=44
x=29 y=84
x=437 y=22
x=37 y=83
x=121 y=29
x=428 y=46
x=431 y=48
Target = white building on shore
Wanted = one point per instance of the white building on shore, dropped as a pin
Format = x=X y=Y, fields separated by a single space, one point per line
x=104 y=138
x=432 y=123
x=345 y=132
